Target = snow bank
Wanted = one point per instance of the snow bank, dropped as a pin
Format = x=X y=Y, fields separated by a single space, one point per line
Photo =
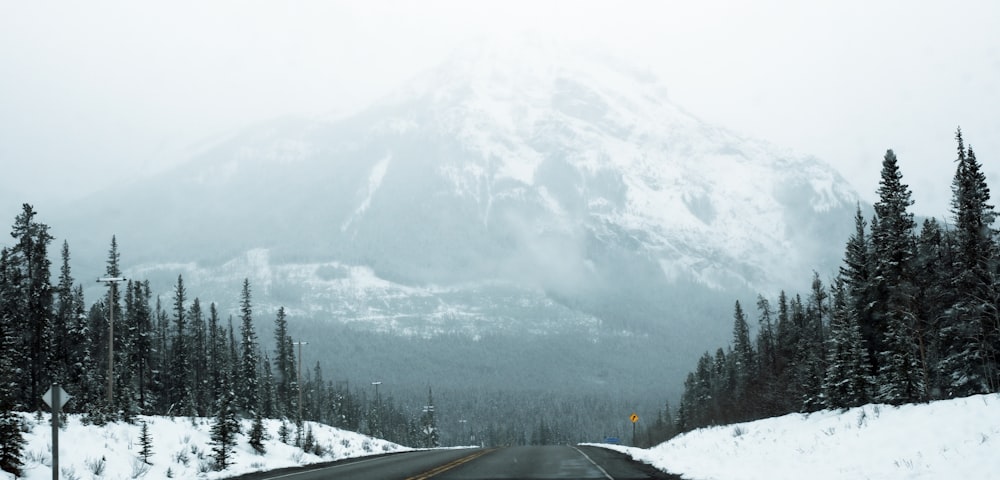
x=945 y=439
x=181 y=449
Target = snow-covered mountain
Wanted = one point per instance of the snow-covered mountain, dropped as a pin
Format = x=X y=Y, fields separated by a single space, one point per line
x=516 y=188
x=532 y=163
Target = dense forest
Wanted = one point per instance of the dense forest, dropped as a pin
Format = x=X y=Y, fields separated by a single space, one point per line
x=911 y=316
x=180 y=359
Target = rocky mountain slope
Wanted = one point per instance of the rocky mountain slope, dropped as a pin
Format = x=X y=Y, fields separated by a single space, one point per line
x=528 y=190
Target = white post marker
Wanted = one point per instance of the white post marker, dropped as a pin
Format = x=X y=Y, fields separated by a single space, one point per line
x=55 y=397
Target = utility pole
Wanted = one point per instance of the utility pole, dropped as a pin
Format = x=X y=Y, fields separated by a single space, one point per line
x=300 y=344
x=378 y=408
x=113 y=282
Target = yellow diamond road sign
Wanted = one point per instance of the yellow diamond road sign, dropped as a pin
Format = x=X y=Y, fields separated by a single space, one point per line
x=634 y=418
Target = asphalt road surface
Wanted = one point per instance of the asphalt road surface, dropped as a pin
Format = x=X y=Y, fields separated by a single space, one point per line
x=512 y=463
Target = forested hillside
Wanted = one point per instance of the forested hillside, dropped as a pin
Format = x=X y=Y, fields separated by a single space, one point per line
x=180 y=359
x=911 y=316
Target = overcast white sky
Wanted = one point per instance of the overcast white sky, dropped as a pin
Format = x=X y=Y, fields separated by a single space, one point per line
x=97 y=92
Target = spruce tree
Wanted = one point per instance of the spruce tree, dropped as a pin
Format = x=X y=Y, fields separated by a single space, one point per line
x=846 y=381
x=743 y=363
x=970 y=334
x=11 y=439
x=35 y=294
x=180 y=378
x=894 y=247
x=856 y=273
x=258 y=435
x=934 y=298
x=62 y=322
x=225 y=429
x=145 y=443
x=249 y=360
x=142 y=318
x=285 y=365
x=200 y=391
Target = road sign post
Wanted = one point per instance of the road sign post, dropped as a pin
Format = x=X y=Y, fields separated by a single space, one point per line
x=635 y=419
x=55 y=397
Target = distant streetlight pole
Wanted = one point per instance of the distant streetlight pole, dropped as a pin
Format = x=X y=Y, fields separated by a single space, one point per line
x=300 y=344
x=462 y=421
x=113 y=282
x=378 y=406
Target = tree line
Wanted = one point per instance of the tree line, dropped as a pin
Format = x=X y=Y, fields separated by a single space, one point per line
x=180 y=359
x=911 y=316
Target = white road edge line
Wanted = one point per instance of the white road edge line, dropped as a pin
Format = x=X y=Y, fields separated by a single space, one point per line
x=592 y=462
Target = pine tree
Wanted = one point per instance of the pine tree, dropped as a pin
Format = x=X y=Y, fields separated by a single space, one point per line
x=285 y=365
x=249 y=379
x=142 y=318
x=787 y=339
x=35 y=295
x=201 y=396
x=180 y=378
x=856 y=273
x=218 y=365
x=894 y=246
x=933 y=273
x=743 y=363
x=11 y=440
x=268 y=400
x=63 y=320
x=970 y=334
x=258 y=435
x=766 y=380
x=846 y=382
x=225 y=429
x=145 y=443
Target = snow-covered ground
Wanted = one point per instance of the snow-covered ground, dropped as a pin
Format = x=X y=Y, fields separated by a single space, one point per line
x=949 y=439
x=946 y=439
x=181 y=449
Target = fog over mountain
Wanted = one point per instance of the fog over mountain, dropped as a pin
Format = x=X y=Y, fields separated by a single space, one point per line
x=527 y=196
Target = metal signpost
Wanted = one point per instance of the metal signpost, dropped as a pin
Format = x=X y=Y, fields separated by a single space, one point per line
x=55 y=397
x=635 y=419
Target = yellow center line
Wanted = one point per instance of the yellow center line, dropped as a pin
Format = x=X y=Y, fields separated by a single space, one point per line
x=448 y=466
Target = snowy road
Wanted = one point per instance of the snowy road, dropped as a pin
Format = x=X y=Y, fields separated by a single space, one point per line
x=548 y=462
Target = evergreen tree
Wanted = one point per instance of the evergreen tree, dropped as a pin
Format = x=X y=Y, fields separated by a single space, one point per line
x=786 y=345
x=248 y=380
x=141 y=316
x=145 y=443
x=846 y=382
x=971 y=331
x=161 y=384
x=201 y=395
x=267 y=389
x=743 y=363
x=894 y=245
x=180 y=378
x=856 y=273
x=258 y=435
x=934 y=298
x=286 y=389
x=63 y=320
x=11 y=440
x=225 y=429
x=29 y=256
x=766 y=380
x=218 y=349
